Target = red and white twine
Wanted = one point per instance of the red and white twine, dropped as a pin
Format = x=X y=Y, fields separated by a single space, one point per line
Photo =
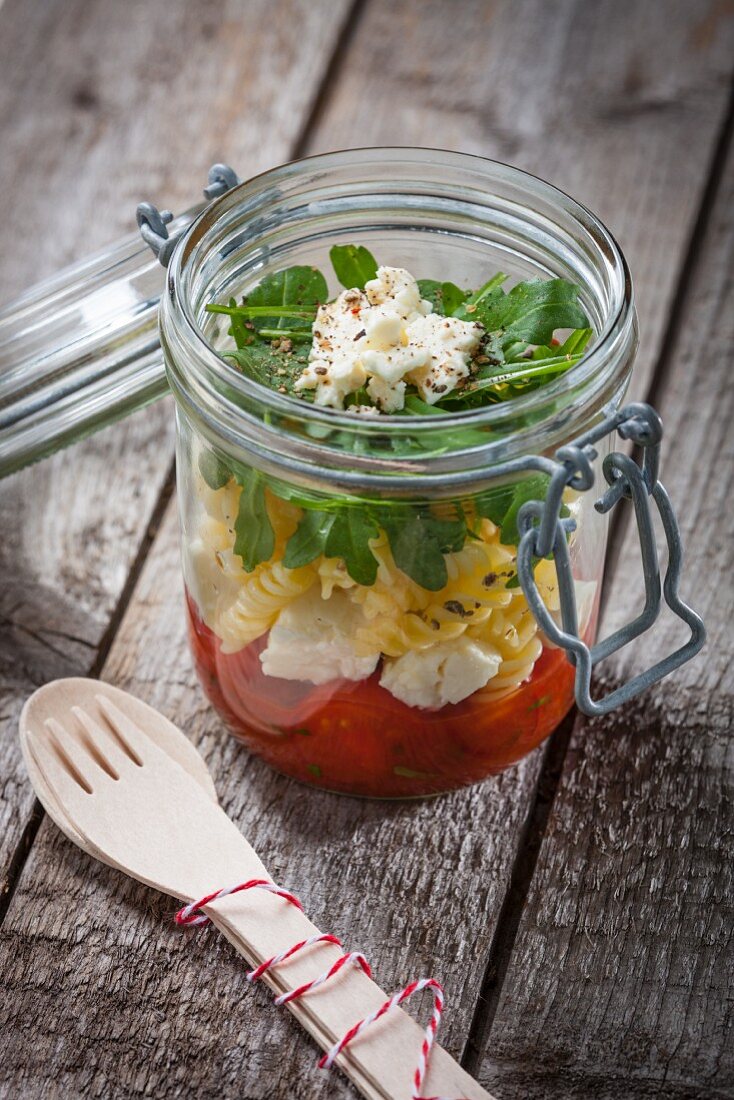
x=192 y=915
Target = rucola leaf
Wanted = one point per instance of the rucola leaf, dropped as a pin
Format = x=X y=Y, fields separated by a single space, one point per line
x=349 y=538
x=309 y=538
x=503 y=504
x=297 y=289
x=254 y=536
x=531 y=312
x=354 y=265
x=419 y=540
x=444 y=297
x=215 y=472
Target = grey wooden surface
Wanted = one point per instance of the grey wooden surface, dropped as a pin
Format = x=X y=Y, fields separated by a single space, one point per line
x=578 y=907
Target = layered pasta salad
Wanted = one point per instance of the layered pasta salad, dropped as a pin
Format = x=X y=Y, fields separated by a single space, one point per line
x=379 y=646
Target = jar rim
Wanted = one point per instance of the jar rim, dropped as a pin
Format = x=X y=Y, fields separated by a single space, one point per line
x=595 y=377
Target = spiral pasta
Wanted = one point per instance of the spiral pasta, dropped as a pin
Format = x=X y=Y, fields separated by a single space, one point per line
x=262 y=596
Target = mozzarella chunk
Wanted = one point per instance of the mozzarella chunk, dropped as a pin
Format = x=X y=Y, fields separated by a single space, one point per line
x=443 y=673
x=447 y=344
x=396 y=287
x=384 y=337
x=312 y=641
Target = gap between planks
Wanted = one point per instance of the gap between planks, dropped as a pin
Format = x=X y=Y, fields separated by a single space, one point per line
x=549 y=777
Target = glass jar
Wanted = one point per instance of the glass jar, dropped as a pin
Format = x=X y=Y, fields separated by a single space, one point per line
x=366 y=680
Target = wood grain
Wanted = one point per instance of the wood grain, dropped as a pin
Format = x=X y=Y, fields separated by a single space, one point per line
x=575 y=93
x=110 y=115
x=621 y=979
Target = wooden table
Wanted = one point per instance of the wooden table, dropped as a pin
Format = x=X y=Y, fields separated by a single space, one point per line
x=578 y=907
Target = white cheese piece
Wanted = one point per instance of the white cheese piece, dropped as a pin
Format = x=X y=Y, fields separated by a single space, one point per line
x=313 y=641
x=397 y=288
x=444 y=673
x=448 y=345
x=386 y=396
x=384 y=337
x=334 y=370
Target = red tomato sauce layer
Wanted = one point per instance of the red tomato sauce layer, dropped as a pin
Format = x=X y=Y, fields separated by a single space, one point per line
x=356 y=738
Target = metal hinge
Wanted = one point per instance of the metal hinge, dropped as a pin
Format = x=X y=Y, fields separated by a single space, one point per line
x=153 y=223
x=544 y=532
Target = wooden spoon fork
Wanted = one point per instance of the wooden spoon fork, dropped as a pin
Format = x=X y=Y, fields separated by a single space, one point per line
x=135 y=806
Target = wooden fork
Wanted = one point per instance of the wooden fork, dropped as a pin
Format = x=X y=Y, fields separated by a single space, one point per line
x=136 y=807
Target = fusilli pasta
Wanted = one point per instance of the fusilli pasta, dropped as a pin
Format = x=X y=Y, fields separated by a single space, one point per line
x=263 y=595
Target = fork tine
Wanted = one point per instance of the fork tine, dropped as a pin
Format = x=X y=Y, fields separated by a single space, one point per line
x=112 y=757
x=138 y=744
x=62 y=777
x=77 y=755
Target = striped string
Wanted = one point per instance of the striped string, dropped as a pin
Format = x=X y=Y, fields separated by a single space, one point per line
x=192 y=915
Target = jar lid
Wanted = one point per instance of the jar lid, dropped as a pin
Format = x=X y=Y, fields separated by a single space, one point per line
x=80 y=349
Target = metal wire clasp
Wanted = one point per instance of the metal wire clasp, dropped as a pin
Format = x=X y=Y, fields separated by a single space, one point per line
x=153 y=223
x=544 y=532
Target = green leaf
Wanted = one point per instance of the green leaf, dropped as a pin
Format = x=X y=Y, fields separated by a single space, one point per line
x=502 y=505
x=238 y=329
x=254 y=536
x=521 y=372
x=213 y=469
x=349 y=538
x=438 y=443
x=453 y=297
x=489 y=289
x=532 y=311
x=267 y=365
x=309 y=538
x=354 y=265
x=419 y=540
x=291 y=292
x=495 y=504
x=444 y=297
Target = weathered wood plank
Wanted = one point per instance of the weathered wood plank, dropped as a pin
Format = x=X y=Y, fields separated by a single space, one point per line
x=163 y=1012
x=98 y=108
x=621 y=978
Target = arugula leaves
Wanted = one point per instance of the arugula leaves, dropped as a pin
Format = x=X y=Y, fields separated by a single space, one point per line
x=418 y=541
x=341 y=534
x=295 y=295
x=254 y=535
x=348 y=538
x=271 y=366
x=502 y=505
x=530 y=312
x=354 y=265
x=215 y=472
x=309 y=539
x=444 y=297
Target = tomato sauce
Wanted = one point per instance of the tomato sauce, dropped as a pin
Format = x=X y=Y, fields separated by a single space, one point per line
x=356 y=738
